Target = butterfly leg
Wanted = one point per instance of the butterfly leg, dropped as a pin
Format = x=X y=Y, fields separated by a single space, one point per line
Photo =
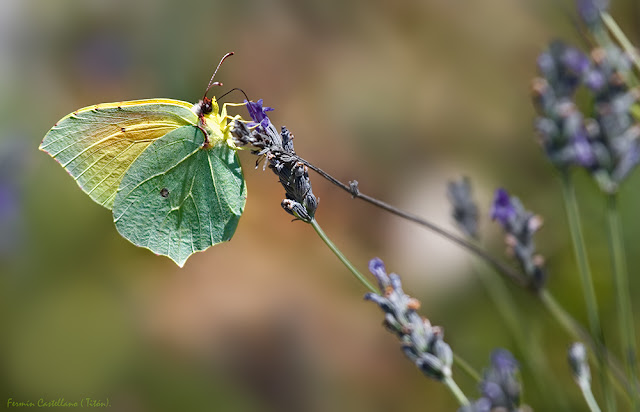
x=223 y=112
x=201 y=122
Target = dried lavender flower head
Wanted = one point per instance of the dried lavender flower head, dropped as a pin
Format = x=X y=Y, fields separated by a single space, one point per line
x=422 y=343
x=277 y=149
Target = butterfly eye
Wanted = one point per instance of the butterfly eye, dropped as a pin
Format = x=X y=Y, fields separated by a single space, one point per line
x=207 y=106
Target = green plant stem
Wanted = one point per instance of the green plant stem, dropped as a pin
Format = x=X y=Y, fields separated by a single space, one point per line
x=577 y=333
x=588 y=397
x=621 y=38
x=467 y=368
x=342 y=257
x=568 y=323
x=588 y=290
x=455 y=390
x=354 y=191
x=623 y=299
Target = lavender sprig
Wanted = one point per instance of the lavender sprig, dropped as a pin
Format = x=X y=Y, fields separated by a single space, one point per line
x=422 y=343
x=520 y=225
x=607 y=144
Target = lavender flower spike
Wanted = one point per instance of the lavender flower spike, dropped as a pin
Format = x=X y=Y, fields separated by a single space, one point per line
x=422 y=343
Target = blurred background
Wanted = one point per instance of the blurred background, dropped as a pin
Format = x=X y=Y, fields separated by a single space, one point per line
x=401 y=95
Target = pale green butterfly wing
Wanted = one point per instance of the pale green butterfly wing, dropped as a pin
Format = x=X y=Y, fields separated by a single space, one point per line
x=179 y=198
x=98 y=144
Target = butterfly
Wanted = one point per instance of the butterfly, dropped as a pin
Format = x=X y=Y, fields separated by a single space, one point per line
x=167 y=169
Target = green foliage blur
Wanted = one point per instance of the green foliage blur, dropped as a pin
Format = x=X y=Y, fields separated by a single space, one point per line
x=401 y=95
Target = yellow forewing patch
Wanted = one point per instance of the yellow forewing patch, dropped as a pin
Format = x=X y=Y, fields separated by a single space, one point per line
x=97 y=144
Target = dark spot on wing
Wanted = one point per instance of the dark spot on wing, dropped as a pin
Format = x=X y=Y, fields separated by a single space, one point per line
x=164 y=192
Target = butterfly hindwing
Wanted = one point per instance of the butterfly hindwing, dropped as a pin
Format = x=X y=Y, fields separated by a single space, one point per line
x=178 y=197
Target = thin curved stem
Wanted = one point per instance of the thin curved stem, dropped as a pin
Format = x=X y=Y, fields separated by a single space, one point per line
x=621 y=38
x=353 y=190
x=467 y=368
x=589 y=399
x=623 y=299
x=577 y=333
x=586 y=280
x=455 y=390
x=342 y=257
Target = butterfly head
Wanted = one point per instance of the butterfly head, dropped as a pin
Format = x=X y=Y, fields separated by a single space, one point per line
x=205 y=106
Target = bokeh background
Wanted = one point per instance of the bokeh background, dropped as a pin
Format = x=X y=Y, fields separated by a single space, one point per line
x=401 y=95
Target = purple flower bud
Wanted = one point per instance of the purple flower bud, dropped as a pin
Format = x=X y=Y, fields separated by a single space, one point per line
x=502 y=209
x=583 y=152
x=595 y=80
x=377 y=299
x=590 y=10
x=493 y=392
x=503 y=360
x=396 y=284
x=377 y=268
x=575 y=60
x=546 y=65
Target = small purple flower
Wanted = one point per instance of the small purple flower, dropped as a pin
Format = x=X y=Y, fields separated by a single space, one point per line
x=575 y=60
x=595 y=80
x=583 y=152
x=502 y=209
x=546 y=64
x=493 y=392
x=481 y=405
x=377 y=268
x=590 y=10
x=258 y=113
x=503 y=361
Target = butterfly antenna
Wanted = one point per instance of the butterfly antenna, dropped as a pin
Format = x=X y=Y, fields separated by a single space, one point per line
x=211 y=82
x=233 y=90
